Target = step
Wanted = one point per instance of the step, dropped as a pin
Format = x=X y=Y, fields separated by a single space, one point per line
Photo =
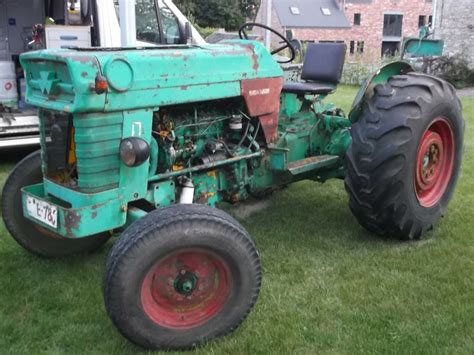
x=312 y=163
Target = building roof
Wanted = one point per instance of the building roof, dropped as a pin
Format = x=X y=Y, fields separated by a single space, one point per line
x=310 y=13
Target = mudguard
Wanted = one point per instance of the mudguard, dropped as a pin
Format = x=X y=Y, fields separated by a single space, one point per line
x=381 y=76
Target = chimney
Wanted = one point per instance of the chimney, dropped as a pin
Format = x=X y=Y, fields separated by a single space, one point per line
x=341 y=4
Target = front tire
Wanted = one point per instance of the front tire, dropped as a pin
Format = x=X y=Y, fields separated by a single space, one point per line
x=29 y=235
x=181 y=276
x=405 y=156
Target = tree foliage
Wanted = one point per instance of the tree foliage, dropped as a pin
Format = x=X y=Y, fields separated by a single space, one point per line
x=228 y=14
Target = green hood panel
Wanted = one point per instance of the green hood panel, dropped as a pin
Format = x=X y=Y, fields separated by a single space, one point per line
x=65 y=79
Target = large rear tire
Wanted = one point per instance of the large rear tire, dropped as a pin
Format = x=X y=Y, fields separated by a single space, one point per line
x=181 y=276
x=405 y=156
x=30 y=236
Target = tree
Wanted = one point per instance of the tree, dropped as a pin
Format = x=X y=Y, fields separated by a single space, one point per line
x=229 y=14
x=186 y=6
x=250 y=8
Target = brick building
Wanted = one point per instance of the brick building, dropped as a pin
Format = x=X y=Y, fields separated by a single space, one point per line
x=370 y=28
x=454 y=23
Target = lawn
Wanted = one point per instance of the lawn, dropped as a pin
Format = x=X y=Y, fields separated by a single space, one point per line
x=329 y=286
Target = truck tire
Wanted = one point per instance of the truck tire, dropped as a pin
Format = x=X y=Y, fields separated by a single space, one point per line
x=31 y=236
x=181 y=276
x=405 y=156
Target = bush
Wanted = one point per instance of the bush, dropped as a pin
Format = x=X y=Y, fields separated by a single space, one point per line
x=205 y=31
x=455 y=69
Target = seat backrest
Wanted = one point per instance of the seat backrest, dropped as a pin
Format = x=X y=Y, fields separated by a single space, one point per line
x=324 y=62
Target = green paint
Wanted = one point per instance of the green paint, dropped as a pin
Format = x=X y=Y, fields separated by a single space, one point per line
x=162 y=194
x=417 y=47
x=183 y=101
x=171 y=75
x=82 y=221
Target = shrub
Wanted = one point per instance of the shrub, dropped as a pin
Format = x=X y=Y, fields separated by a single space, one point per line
x=455 y=69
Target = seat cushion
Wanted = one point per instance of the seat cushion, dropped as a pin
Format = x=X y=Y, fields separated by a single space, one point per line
x=308 y=88
x=324 y=62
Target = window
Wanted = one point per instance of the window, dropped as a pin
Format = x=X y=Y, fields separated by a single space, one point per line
x=148 y=28
x=294 y=10
x=326 y=11
x=357 y=18
x=170 y=25
x=421 y=21
x=360 y=47
x=392 y=25
x=390 y=49
x=151 y=27
x=430 y=20
x=352 y=47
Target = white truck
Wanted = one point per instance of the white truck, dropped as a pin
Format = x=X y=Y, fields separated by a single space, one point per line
x=71 y=23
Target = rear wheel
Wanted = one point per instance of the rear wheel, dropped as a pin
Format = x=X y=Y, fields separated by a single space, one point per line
x=405 y=156
x=181 y=276
x=29 y=235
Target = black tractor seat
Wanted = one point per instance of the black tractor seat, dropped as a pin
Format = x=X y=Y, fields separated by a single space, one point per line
x=310 y=88
x=322 y=70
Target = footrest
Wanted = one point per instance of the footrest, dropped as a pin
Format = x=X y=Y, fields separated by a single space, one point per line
x=312 y=163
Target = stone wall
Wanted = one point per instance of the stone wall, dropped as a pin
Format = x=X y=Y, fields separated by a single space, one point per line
x=454 y=23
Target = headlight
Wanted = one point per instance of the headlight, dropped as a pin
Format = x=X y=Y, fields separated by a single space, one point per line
x=134 y=151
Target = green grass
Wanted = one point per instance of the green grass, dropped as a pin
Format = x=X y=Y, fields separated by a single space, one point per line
x=329 y=286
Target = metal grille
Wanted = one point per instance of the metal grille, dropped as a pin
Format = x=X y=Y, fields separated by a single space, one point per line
x=97 y=140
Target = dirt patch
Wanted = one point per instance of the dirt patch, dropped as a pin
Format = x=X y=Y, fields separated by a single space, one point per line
x=246 y=209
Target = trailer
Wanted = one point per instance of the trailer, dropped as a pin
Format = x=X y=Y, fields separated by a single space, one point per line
x=55 y=24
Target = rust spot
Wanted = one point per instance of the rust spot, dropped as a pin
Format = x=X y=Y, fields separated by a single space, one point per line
x=84 y=74
x=82 y=59
x=72 y=221
x=262 y=98
x=94 y=215
x=184 y=87
x=250 y=48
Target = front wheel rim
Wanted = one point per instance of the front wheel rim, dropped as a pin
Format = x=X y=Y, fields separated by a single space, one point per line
x=186 y=288
x=434 y=162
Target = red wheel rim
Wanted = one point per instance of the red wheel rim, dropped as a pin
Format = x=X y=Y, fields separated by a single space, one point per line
x=186 y=288
x=434 y=162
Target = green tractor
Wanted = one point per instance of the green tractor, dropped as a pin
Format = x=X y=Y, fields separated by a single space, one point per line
x=144 y=142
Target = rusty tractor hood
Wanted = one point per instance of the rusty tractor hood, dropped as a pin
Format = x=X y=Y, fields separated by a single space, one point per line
x=65 y=79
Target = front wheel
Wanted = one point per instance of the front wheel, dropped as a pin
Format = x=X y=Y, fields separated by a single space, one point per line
x=29 y=235
x=181 y=276
x=405 y=157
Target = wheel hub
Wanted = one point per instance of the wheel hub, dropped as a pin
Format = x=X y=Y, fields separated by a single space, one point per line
x=432 y=160
x=435 y=161
x=185 y=283
x=186 y=288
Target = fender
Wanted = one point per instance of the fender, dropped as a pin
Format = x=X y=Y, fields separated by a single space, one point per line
x=381 y=76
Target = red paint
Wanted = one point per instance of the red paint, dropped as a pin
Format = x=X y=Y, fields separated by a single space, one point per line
x=434 y=162
x=168 y=308
x=262 y=97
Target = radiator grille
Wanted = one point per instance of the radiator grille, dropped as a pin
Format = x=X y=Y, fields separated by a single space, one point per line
x=97 y=140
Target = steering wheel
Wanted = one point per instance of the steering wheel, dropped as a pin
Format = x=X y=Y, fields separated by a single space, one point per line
x=286 y=43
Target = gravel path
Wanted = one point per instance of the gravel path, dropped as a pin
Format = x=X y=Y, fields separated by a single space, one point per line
x=467 y=92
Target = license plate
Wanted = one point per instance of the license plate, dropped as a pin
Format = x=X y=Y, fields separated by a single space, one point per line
x=42 y=211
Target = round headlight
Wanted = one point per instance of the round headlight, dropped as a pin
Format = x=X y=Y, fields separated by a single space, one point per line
x=134 y=151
